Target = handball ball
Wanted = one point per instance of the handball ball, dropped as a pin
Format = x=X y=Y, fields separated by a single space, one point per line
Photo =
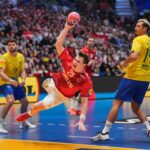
x=73 y=18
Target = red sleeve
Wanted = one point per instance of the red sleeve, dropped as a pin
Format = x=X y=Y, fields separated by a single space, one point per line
x=86 y=88
x=65 y=58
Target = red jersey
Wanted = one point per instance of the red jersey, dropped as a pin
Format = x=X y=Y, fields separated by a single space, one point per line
x=68 y=82
x=92 y=55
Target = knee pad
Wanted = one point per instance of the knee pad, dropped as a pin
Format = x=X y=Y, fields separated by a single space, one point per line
x=48 y=101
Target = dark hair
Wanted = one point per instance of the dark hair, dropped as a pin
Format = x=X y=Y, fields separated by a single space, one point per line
x=11 y=41
x=85 y=56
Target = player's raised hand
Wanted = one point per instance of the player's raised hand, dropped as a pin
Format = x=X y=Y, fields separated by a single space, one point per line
x=72 y=20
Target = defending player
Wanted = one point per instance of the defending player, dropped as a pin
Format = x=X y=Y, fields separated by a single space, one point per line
x=12 y=67
x=134 y=84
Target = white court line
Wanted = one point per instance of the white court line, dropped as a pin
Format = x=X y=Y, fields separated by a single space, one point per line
x=83 y=137
x=144 y=129
x=51 y=124
x=121 y=128
x=96 y=126
x=62 y=124
x=133 y=128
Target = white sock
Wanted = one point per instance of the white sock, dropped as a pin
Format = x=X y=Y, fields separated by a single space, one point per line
x=147 y=125
x=107 y=127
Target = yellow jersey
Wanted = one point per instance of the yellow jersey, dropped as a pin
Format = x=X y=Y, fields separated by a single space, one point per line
x=140 y=69
x=12 y=65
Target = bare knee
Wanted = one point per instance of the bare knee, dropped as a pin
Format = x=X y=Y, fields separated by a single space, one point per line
x=117 y=103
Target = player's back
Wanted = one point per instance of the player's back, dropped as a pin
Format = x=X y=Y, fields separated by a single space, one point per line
x=140 y=69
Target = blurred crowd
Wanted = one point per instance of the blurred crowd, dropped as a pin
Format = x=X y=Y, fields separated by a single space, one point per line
x=36 y=26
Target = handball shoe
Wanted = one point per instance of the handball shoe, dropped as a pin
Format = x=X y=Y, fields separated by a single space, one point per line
x=22 y=117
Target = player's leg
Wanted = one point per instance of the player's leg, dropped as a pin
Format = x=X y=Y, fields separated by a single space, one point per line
x=104 y=134
x=135 y=104
x=141 y=115
x=8 y=92
x=51 y=100
x=72 y=110
x=74 y=104
x=23 y=109
x=124 y=93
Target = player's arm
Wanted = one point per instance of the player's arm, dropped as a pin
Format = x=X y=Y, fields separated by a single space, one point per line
x=61 y=38
x=134 y=55
x=131 y=58
x=23 y=77
x=6 y=78
x=23 y=72
x=84 y=108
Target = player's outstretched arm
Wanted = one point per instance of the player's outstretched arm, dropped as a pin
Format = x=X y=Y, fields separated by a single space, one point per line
x=84 y=108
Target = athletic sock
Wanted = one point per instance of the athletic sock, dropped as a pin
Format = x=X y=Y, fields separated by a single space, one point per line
x=107 y=127
x=147 y=125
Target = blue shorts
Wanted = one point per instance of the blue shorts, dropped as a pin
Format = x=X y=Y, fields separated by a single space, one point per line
x=18 y=92
x=130 y=90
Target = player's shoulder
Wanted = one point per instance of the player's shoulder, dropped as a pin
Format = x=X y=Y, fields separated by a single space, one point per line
x=20 y=55
x=141 y=38
x=5 y=55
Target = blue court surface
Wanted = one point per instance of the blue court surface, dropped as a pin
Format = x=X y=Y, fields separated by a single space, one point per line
x=56 y=125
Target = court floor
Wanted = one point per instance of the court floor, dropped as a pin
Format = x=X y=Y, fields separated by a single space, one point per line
x=56 y=130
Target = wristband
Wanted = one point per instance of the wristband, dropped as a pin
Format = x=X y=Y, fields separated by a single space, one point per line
x=82 y=117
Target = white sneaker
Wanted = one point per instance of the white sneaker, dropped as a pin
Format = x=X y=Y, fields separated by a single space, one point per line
x=2 y=130
x=27 y=124
x=100 y=136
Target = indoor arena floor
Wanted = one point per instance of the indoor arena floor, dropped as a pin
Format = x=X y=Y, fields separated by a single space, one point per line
x=56 y=129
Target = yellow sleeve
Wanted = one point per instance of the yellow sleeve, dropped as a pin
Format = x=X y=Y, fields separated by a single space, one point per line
x=2 y=62
x=136 y=45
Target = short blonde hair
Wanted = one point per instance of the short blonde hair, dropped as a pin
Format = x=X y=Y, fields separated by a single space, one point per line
x=146 y=23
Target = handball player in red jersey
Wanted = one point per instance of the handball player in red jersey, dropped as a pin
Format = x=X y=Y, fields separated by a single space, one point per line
x=65 y=84
x=91 y=52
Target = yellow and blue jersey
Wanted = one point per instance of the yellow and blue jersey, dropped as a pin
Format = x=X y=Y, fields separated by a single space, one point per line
x=140 y=69
x=12 y=65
